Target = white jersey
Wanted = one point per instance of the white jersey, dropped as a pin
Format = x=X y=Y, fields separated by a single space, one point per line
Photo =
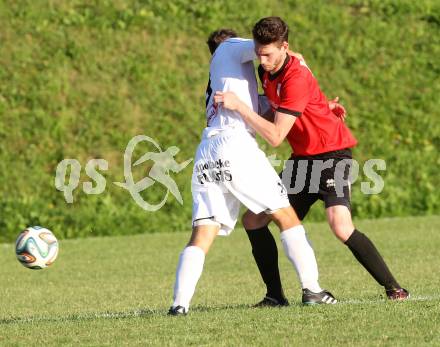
x=229 y=168
x=231 y=69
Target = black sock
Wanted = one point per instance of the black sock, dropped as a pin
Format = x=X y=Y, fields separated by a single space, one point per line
x=365 y=252
x=265 y=254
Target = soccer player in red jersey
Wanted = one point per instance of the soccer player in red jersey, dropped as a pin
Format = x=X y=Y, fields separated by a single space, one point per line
x=321 y=149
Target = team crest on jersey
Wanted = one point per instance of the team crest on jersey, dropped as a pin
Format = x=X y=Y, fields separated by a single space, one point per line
x=330 y=183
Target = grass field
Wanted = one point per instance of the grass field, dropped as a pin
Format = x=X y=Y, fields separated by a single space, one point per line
x=116 y=291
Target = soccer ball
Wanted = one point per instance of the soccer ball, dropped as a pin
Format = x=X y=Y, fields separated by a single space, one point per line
x=36 y=247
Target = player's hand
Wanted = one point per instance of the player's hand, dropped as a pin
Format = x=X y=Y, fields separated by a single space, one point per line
x=337 y=108
x=228 y=100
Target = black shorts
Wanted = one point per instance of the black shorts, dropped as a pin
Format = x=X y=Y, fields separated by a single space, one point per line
x=324 y=176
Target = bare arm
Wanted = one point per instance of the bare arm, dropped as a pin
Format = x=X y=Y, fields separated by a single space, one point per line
x=274 y=133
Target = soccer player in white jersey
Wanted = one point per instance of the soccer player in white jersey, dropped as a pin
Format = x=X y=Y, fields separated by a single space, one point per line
x=230 y=169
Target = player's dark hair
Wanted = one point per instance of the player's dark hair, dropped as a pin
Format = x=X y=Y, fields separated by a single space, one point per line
x=218 y=36
x=270 y=30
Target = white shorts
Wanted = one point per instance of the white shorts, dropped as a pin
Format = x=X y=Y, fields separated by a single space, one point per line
x=230 y=169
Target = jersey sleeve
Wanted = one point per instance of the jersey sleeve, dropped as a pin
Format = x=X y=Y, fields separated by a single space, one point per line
x=294 y=95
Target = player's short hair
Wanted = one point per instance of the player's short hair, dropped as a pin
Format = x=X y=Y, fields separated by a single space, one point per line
x=270 y=30
x=218 y=36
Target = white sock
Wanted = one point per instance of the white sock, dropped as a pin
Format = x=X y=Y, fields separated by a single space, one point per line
x=300 y=253
x=188 y=272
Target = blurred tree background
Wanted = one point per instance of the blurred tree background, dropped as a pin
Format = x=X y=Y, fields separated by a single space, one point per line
x=79 y=79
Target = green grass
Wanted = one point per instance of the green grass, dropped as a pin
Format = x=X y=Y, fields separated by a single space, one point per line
x=116 y=291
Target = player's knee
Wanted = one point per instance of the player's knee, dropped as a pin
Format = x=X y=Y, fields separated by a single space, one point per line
x=292 y=216
x=285 y=218
x=342 y=231
x=203 y=236
x=253 y=221
x=249 y=220
x=202 y=242
x=204 y=246
x=339 y=219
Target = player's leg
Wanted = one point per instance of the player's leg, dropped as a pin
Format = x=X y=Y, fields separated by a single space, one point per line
x=364 y=250
x=265 y=253
x=338 y=209
x=263 y=244
x=208 y=201
x=297 y=249
x=190 y=265
x=300 y=253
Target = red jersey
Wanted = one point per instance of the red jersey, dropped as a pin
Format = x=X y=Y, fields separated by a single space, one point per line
x=295 y=91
